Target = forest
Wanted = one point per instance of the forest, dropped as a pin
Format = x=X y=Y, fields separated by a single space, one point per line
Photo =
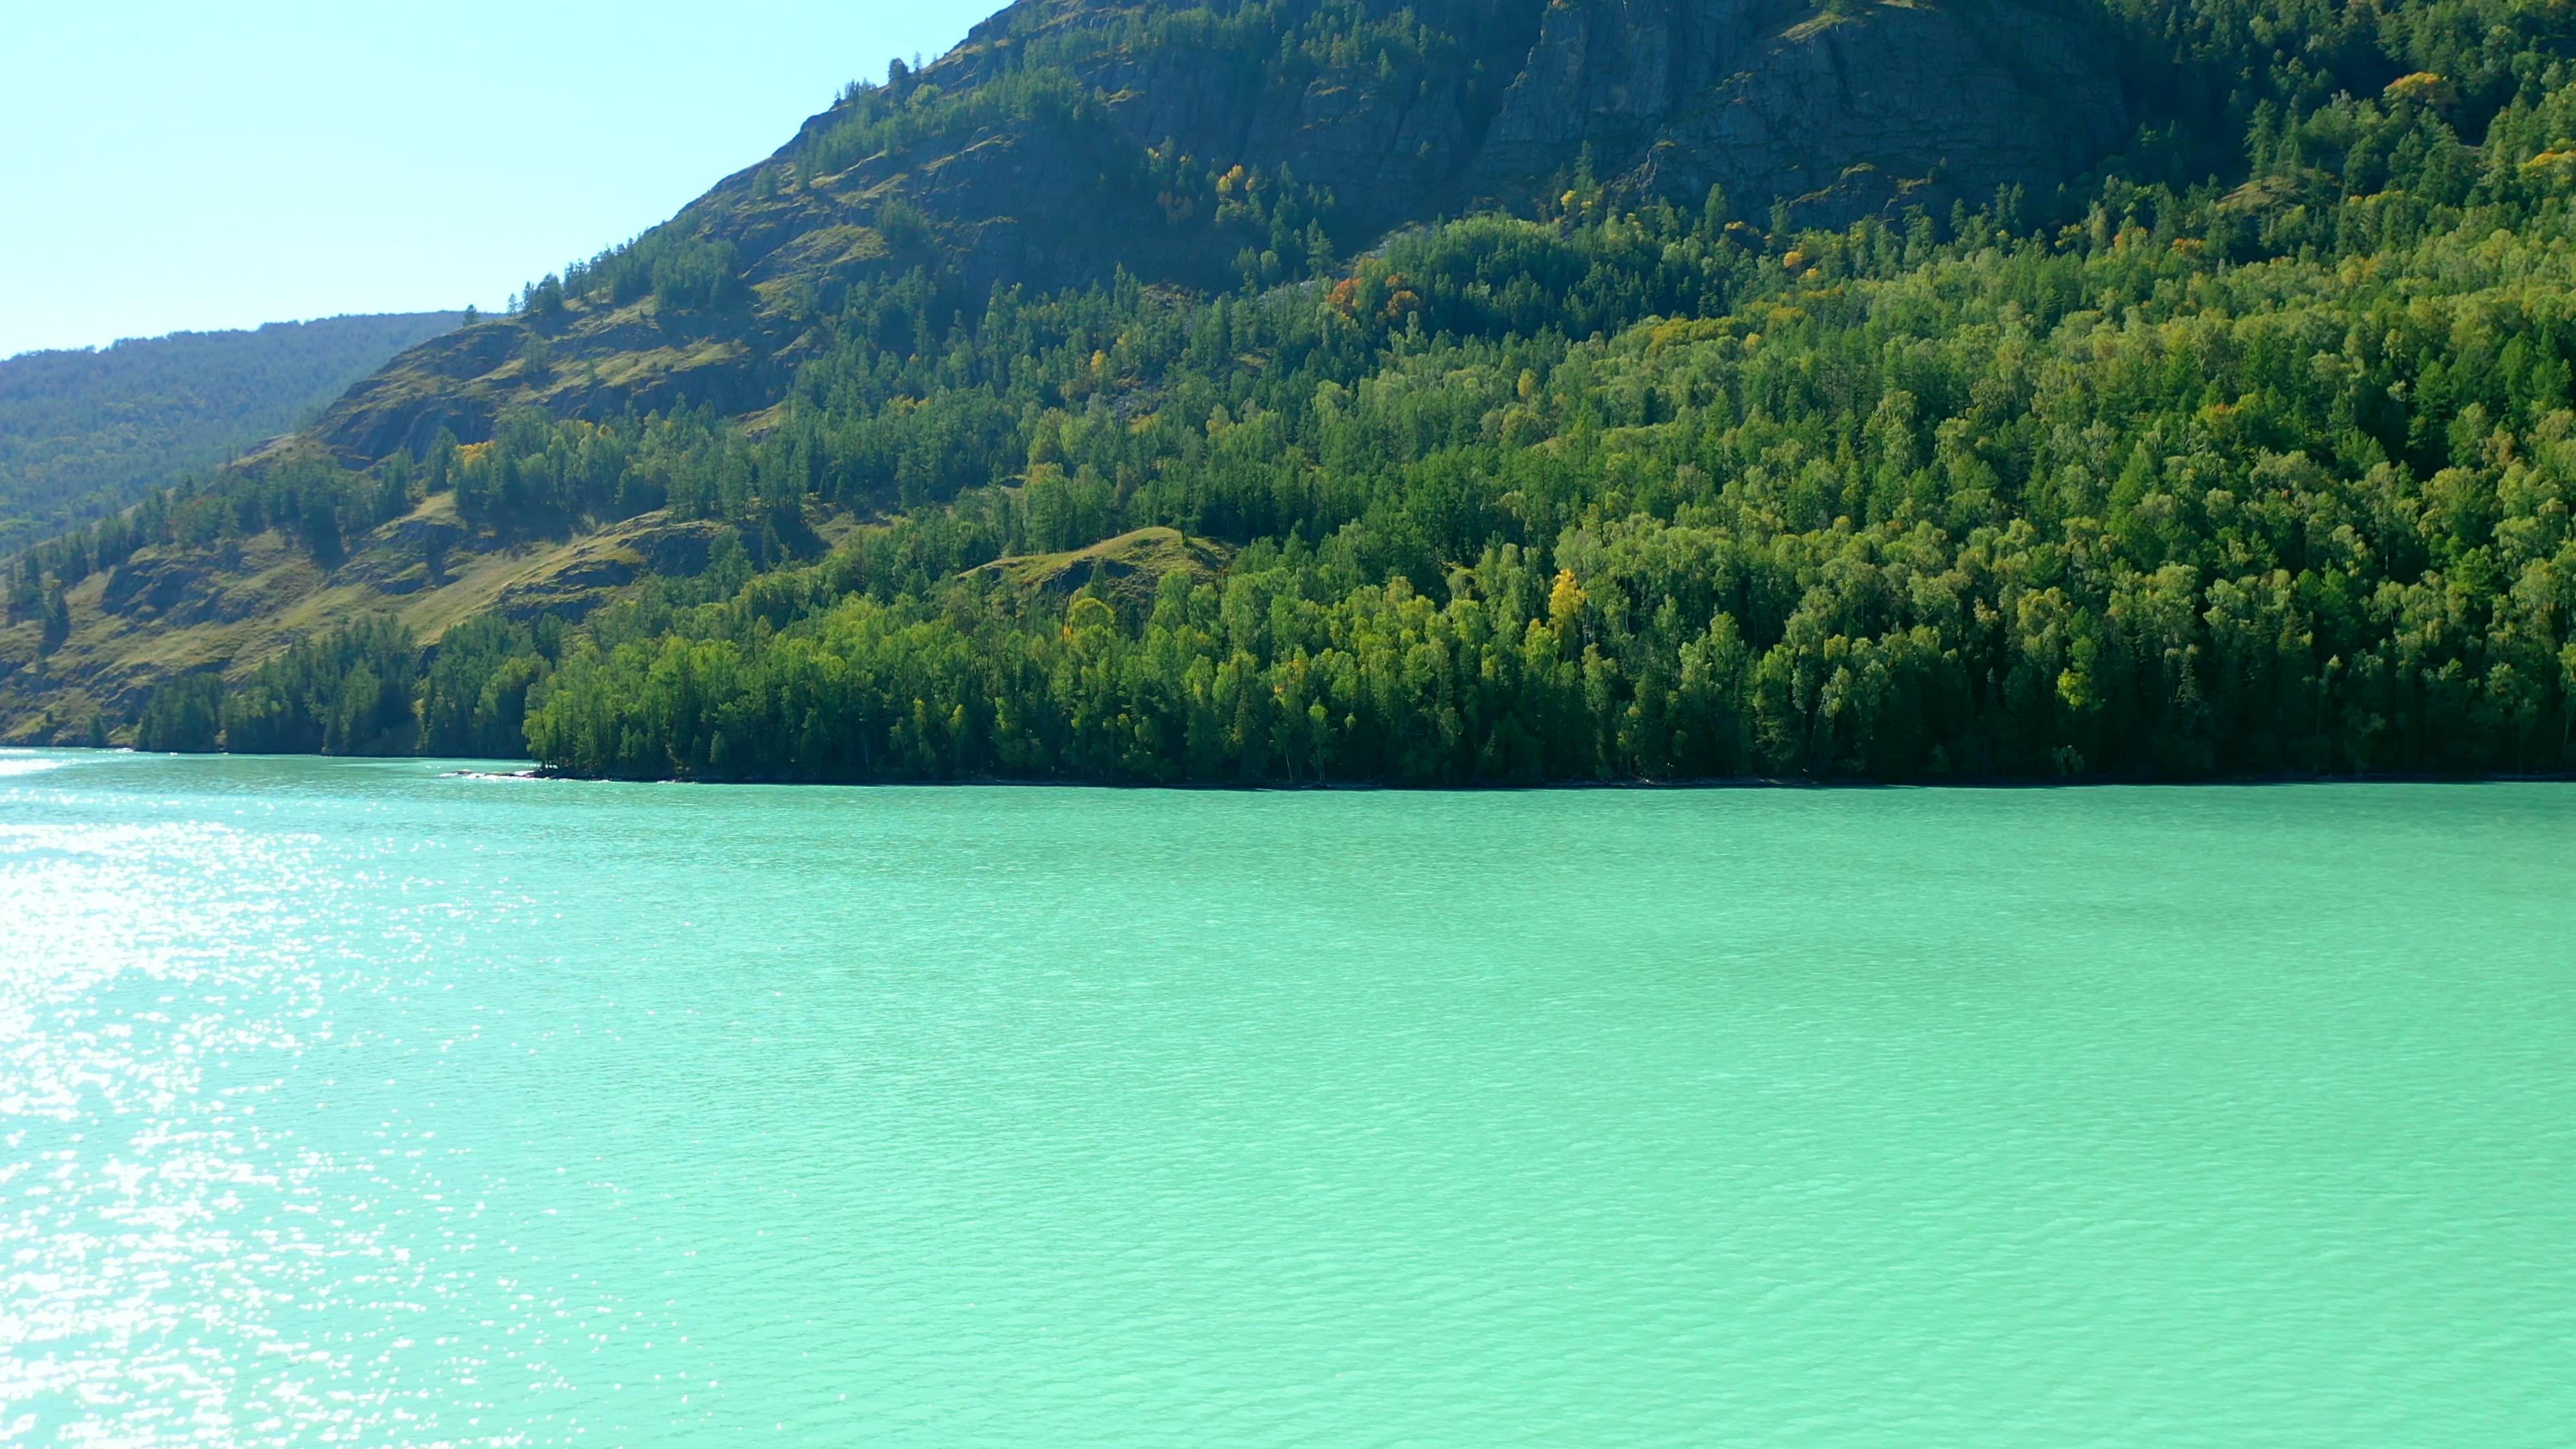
x=86 y=433
x=2250 y=456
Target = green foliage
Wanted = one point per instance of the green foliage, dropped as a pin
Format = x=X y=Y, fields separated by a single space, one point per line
x=474 y=695
x=366 y=689
x=303 y=496
x=2253 y=456
x=86 y=433
x=55 y=626
x=184 y=716
x=901 y=117
x=347 y=692
x=1987 y=506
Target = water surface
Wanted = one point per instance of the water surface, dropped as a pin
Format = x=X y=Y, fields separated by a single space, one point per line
x=364 y=1102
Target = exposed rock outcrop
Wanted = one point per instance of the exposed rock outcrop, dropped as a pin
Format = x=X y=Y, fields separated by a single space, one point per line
x=1842 y=113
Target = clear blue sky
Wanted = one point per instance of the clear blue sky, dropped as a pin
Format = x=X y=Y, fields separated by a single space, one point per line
x=186 y=166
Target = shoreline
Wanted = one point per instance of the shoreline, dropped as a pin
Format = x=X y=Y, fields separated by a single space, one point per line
x=535 y=771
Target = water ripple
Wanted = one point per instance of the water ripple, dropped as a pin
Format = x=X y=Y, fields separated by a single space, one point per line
x=368 y=1102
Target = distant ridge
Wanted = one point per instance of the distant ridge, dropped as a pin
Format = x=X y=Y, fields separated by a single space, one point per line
x=87 y=431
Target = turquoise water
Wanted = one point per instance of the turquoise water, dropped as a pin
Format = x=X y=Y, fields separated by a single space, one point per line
x=364 y=1102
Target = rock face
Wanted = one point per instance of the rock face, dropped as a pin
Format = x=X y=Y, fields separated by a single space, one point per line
x=1843 y=114
x=1843 y=111
x=1403 y=112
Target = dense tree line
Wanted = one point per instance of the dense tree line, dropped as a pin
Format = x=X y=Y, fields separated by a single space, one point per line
x=366 y=688
x=2258 y=464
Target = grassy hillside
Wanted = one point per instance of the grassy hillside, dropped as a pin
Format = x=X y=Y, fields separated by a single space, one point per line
x=2250 y=451
x=85 y=433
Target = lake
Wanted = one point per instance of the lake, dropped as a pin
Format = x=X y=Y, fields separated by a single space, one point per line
x=374 y=1102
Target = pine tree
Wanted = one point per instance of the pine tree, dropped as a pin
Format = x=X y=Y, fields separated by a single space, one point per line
x=57 y=627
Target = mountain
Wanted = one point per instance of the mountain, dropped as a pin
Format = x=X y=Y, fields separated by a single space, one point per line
x=1069 y=139
x=1327 y=390
x=87 y=432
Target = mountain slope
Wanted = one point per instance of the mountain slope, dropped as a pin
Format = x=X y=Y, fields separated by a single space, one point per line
x=85 y=433
x=1339 y=451
x=1067 y=140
